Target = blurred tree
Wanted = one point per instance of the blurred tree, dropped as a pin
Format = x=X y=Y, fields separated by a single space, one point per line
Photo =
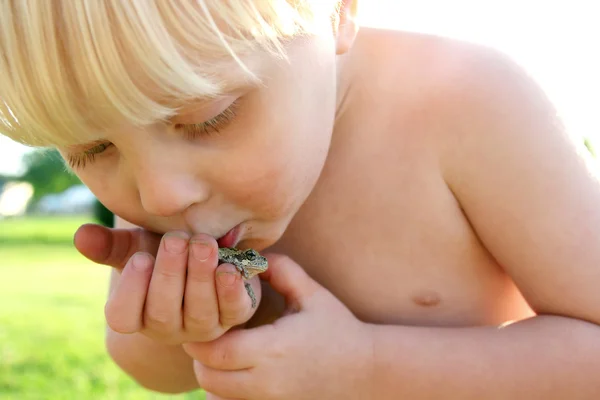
x=103 y=215
x=3 y=180
x=47 y=173
x=7 y=178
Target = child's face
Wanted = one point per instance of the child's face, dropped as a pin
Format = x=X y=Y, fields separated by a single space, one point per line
x=254 y=173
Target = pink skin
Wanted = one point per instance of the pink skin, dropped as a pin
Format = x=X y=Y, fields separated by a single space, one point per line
x=254 y=174
x=285 y=360
x=148 y=296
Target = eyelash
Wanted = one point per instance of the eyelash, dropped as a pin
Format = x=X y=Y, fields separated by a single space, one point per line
x=80 y=160
x=191 y=131
x=210 y=127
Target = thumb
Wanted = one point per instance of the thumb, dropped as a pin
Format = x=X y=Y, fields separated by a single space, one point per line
x=114 y=247
x=289 y=279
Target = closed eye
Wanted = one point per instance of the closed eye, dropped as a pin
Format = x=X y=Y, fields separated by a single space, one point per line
x=191 y=131
x=212 y=126
x=78 y=161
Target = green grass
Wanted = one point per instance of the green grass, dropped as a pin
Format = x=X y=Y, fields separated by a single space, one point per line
x=52 y=319
x=39 y=230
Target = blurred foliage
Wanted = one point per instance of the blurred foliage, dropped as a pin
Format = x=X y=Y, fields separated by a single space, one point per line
x=39 y=230
x=5 y=179
x=103 y=215
x=47 y=173
x=45 y=170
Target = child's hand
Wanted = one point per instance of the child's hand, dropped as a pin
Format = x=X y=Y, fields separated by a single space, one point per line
x=176 y=296
x=318 y=350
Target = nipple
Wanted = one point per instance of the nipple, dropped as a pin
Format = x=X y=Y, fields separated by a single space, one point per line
x=427 y=298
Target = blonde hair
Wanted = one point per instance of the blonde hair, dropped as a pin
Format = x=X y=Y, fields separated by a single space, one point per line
x=73 y=66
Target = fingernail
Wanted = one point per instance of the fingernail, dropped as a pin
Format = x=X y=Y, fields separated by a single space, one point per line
x=141 y=261
x=175 y=243
x=227 y=278
x=201 y=250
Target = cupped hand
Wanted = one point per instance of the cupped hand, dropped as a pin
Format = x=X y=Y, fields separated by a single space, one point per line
x=170 y=287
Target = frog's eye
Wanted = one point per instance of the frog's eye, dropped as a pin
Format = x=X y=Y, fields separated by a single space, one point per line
x=251 y=254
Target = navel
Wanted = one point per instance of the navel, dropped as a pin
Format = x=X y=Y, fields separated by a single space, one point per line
x=427 y=298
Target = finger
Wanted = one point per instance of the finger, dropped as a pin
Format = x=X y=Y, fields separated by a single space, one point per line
x=164 y=301
x=235 y=304
x=125 y=305
x=200 y=304
x=235 y=350
x=287 y=278
x=113 y=247
x=232 y=384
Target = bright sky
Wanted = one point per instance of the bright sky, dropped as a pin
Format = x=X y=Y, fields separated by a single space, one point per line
x=556 y=40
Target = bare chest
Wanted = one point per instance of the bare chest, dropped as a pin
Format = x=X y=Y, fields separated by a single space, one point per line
x=385 y=235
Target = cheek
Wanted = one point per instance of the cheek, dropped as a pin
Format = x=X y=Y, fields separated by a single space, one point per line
x=277 y=161
x=277 y=169
x=266 y=184
x=278 y=177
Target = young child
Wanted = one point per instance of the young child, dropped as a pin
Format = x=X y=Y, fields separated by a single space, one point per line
x=431 y=229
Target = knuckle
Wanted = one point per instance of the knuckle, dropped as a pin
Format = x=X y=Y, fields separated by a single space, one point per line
x=235 y=308
x=160 y=321
x=116 y=321
x=232 y=318
x=197 y=275
x=202 y=325
x=171 y=271
x=120 y=326
x=200 y=321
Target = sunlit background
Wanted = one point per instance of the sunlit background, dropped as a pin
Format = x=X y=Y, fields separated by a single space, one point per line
x=51 y=299
x=558 y=41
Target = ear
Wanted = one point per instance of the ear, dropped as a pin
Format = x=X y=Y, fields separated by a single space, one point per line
x=347 y=26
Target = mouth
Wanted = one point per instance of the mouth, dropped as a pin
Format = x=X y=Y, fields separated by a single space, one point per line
x=231 y=238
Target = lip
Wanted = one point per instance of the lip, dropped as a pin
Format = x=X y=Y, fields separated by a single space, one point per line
x=231 y=238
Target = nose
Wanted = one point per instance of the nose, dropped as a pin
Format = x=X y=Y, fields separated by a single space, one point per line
x=165 y=191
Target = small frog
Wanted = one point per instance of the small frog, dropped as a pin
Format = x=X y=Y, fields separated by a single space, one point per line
x=248 y=262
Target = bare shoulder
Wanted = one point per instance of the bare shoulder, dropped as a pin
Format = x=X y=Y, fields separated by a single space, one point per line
x=401 y=61
x=433 y=83
x=529 y=188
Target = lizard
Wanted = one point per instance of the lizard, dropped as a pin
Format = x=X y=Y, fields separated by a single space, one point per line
x=248 y=262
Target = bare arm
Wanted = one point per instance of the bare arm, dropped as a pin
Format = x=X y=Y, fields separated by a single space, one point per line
x=545 y=357
x=532 y=194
